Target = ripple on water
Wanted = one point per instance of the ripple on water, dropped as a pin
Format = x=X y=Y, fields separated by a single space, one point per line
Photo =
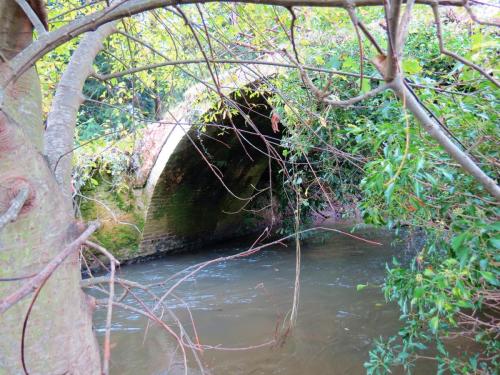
x=240 y=303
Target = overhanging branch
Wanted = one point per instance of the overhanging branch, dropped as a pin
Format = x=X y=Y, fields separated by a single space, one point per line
x=49 y=41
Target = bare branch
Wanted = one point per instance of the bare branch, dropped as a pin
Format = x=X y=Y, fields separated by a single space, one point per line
x=473 y=16
x=38 y=280
x=109 y=315
x=15 y=207
x=435 y=131
x=392 y=11
x=355 y=22
x=32 y=16
x=404 y=27
x=453 y=55
x=357 y=99
x=47 y=42
x=191 y=270
x=106 y=77
x=292 y=34
x=370 y=37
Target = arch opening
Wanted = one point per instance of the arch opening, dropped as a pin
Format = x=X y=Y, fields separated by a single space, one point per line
x=190 y=206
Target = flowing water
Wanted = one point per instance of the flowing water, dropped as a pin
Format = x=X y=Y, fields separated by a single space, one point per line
x=240 y=303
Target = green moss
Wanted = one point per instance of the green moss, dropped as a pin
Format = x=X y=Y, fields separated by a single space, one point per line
x=122 y=240
x=124 y=201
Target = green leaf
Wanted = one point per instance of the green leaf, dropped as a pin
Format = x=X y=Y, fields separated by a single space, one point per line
x=495 y=242
x=411 y=66
x=419 y=291
x=465 y=304
x=365 y=85
x=350 y=64
x=456 y=242
x=361 y=287
x=434 y=323
x=429 y=272
x=489 y=277
x=388 y=192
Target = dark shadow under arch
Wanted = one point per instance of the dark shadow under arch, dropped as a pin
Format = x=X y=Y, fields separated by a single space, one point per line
x=190 y=206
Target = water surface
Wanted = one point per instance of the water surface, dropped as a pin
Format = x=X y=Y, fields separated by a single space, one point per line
x=240 y=303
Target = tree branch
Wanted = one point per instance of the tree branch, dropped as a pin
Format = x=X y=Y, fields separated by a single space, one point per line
x=392 y=11
x=32 y=16
x=15 y=207
x=109 y=315
x=61 y=121
x=435 y=131
x=106 y=77
x=453 y=55
x=403 y=27
x=370 y=37
x=355 y=22
x=322 y=94
x=49 y=41
x=357 y=99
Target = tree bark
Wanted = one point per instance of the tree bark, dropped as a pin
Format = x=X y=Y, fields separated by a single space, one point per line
x=61 y=121
x=59 y=336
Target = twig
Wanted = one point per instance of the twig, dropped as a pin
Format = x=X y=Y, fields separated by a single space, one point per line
x=455 y=56
x=252 y=250
x=292 y=34
x=370 y=37
x=25 y=325
x=354 y=19
x=15 y=207
x=477 y=20
x=109 y=315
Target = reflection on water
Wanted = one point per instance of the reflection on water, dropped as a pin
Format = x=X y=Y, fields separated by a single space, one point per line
x=238 y=303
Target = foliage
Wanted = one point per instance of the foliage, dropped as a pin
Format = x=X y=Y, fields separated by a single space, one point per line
x=449 y=293
x=374 y=154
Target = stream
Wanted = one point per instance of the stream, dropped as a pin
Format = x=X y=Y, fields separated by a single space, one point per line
x=239 y=303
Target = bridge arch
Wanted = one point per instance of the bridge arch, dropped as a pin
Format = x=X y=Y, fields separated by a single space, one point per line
x=186 y=204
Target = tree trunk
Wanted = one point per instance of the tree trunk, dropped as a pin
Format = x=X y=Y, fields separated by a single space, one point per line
x=59 y=337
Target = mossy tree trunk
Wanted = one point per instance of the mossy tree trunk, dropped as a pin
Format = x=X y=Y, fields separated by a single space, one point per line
x=59 y=338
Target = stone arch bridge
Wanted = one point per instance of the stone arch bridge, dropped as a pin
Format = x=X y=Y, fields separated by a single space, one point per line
x=195 y=177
